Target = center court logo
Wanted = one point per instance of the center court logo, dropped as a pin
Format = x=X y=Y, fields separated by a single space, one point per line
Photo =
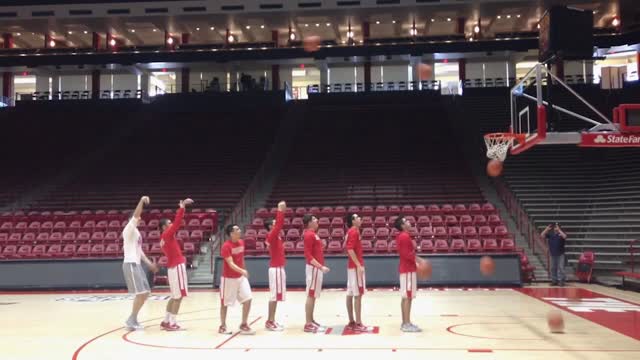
x=107 y=298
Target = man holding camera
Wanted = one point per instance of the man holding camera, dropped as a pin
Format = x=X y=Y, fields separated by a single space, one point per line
x=555 y=240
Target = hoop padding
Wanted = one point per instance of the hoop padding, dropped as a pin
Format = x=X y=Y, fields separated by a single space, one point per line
x=498 y=144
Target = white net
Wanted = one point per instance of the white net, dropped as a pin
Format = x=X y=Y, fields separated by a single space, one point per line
x=498 y=145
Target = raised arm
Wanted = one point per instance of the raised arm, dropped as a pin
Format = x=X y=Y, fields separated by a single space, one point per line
x=177 y=222
x=137 y=213
x=129 y=229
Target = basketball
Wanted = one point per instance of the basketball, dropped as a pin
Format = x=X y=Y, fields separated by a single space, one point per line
x=425 y=71
x=311 y=43
x=555 y=321
x=424 y=269
x=487 y=266
x=494 y=168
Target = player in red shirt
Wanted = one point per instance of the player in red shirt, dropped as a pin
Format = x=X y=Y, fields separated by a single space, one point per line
x=315 y=269
x=176 y=266
x=407 y=269
x=234 y=283
x=277 y=275
x=356 y=283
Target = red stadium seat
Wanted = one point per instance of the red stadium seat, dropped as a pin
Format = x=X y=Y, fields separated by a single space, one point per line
x=24 y=251
x=83 y=250
x=393 y=246
x=10 y=251
x=485 y=232
x=426 y=233
x=337 y=223
x=381 y=246
x=488 y=208
x=297 y=223
x=423 y=221
x=189 y=248
x=494 y=220
x=367 y=211
x=54 y=251
x=407 y=210
x=447 y=209
x=479 y=220
x=69 y=250
x=474 y=245
x=507 y=245
x=436 y=220
x=196 y=236
x=382 y=234
x=441 y=246
x=293 y=235
x=381 y=210
x=475 y=209
x=368 y=234
x=323 y=234
x=501 y=232
x=337 y=235
x=367 y=246
x=490 y=245
x=460 y=209
x=455 y=232
x=466 y=220
x=97 y=250
x=334 y=246
x=426 y=246
x=470 y=232
x=440 y=232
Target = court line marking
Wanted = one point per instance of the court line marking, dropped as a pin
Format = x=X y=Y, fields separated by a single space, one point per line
x=236 y=334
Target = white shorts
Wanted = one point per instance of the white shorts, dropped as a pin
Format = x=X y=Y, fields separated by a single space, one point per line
x=314 y=281
x=178 y=281
x=408 y=285
x=234 y=290
x=356 y=285
x=277 y=284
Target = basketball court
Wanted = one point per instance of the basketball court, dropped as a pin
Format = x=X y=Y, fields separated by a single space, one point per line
x=458 y=323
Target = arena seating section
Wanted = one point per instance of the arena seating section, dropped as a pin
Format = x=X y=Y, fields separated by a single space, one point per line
x=93 y=234
x=381 y=159
x=102 y=160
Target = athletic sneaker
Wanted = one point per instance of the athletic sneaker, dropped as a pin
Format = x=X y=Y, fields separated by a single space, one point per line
x=410 y=328
x=361 y=328
x=351 y=326
x=173 y=327
x=223 y=330
x=133 y=325
x=246 y=330
x=273 y=326
x=320 y=327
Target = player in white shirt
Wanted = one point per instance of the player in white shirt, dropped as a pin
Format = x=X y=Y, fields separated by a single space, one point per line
x=134 y=275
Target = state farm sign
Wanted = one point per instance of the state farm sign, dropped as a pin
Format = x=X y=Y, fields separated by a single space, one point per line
x=609 y=140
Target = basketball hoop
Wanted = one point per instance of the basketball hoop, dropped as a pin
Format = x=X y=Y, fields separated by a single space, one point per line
x=498 y=144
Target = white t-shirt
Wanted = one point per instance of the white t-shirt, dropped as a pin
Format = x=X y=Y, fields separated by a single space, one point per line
x=132 y=242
